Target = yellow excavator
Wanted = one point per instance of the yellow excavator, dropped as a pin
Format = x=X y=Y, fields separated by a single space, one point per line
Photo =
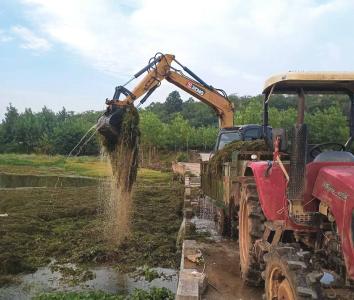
x=159 y=68
x=221 y=188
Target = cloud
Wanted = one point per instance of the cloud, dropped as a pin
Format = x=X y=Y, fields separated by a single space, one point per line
x=30 y=40
x=233 y=44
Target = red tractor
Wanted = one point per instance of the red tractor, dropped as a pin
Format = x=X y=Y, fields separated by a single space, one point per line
x=296 y=213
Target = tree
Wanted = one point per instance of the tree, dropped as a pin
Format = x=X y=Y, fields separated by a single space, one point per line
x=179 y=132
x=188 y=124
x=68 y=134
x=282 y=118
x=327 y=126
x=151 y=129
x=250 y=114
x=8 y=128
x=198 y=114
x=27 y=132
x=204 y=137
x=47 y=120
x=173 y=103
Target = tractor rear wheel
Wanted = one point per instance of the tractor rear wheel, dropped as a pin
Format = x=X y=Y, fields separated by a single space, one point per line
x=251 y=227
x=289 y=276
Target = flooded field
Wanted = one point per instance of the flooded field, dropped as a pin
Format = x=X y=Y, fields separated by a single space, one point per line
x=47 y=222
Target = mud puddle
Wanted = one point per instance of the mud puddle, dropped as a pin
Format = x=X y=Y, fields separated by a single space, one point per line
x=105 y=279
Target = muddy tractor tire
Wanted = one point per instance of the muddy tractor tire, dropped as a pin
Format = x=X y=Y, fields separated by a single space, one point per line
x=251 y=227
x=289 y=275
x=233 y=209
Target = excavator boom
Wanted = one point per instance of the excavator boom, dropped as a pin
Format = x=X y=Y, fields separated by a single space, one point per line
x=160 y=68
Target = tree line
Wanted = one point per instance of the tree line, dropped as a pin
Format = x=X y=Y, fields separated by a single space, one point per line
x=173 y=125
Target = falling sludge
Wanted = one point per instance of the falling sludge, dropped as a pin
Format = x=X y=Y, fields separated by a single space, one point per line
x=121 y=147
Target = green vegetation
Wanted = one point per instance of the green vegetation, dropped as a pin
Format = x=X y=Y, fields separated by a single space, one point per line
x=39 y=164
x=148 y=273
x=66 y=223
x=172 y=125
x=45 y=132
x=327 y=121
x=138 y=294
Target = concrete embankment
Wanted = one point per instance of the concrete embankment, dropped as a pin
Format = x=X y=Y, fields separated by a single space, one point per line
x=192 y=282
x=209 y=267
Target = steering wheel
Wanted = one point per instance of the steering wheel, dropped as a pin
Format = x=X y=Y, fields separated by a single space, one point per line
x=316 y=150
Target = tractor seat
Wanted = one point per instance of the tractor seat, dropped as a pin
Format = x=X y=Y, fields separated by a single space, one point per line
x=334 y=156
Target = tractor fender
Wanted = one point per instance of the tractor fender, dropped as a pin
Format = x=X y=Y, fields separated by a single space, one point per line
x=334 y=186
x=271 y=188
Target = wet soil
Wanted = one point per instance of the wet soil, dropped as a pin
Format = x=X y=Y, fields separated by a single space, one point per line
x=223 y=270
x=221 y=257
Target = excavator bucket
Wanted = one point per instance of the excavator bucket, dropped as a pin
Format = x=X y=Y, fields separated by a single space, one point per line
x=109 y=125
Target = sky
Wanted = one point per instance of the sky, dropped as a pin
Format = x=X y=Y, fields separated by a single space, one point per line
x=73 y=53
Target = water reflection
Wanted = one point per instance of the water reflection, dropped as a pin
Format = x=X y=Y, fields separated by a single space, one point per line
x=106 y=279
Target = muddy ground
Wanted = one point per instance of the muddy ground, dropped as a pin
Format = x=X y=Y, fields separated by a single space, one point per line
x=65 y=224
x=223 y=271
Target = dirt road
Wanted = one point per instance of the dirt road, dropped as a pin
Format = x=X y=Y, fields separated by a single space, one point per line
x=222 y=269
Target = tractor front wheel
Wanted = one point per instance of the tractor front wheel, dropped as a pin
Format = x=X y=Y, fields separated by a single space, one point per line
x=288 y=275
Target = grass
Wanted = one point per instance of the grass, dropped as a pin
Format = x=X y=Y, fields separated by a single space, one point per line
x=66 y=223
x=38 y=164
x=138 y=294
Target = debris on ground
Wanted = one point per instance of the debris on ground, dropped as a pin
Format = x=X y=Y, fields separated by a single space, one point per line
x=195 y=258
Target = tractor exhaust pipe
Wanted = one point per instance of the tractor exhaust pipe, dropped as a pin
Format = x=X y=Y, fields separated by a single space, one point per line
x=298 y=153
x=298 y=159
x=298 y=156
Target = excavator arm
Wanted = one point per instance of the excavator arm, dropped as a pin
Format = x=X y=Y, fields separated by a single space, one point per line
x=160 y=68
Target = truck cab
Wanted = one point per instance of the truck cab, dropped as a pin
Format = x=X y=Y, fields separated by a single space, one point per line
x=249 y=132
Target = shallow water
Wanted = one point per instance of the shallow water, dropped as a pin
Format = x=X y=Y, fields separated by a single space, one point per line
x=106 y=279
